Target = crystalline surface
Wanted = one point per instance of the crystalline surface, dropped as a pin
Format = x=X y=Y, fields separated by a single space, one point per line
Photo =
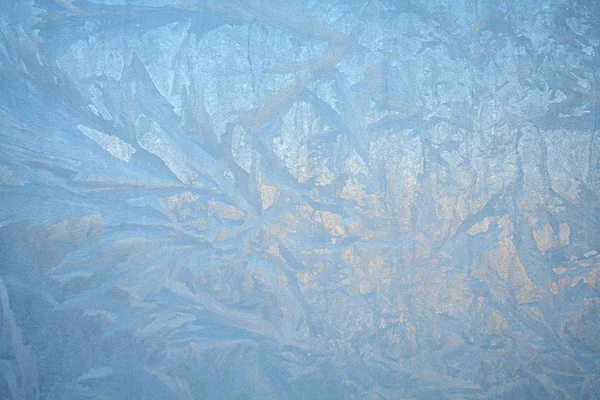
x=299 y=199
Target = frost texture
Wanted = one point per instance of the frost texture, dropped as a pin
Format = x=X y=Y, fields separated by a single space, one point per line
x=299 y=199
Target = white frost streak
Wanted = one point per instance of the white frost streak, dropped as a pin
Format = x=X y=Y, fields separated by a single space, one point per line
x=112 y=144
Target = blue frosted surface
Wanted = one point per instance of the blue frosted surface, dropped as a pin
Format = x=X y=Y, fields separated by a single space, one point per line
x=299 y=199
